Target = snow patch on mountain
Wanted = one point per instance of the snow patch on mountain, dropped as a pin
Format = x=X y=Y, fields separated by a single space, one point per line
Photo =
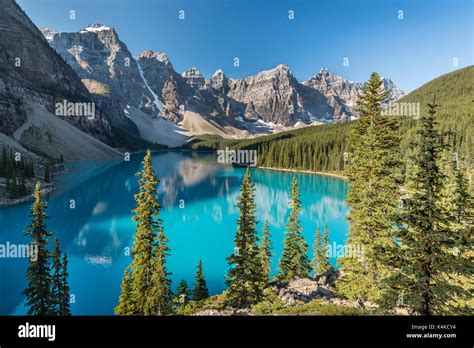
x=48 y=33
x=156 y=100
x=95 y=28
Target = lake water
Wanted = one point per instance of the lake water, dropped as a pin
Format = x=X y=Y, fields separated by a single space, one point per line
x=97 y=232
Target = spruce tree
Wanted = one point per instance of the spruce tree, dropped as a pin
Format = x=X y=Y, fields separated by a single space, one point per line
x=373 y=194
x=426 y=257
x=64 y=306
x=126 y=304
x=294 y=262
x=244 y=277
x=183 y=294
x=320 y=249
x=265 y=253
x=459 y=202
x=151 y=286
x=47 y=172
x=458 y=199
x=56 y=285
x=200 y=291
x=4 y=162
x=38 y=293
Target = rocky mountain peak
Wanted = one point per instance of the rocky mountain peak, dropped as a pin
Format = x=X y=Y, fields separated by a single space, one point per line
x=279 y=70
x=219 y=73
x=159 y=56
x=324 y=71
x=95 y=28
x=219 y=81
x=48 y=33
x=193 y=72
x=395 y=91
x=194 y=77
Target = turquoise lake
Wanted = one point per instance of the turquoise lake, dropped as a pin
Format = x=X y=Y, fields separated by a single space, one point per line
x=198 y=198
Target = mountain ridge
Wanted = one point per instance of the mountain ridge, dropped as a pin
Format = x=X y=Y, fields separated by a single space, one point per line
x=33 y=77
x=273 y=97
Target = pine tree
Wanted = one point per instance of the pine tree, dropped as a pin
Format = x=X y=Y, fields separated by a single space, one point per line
x=458 y=198
x=459 y=202
x=265 y=253
x=4 y=162
x=425 y=259
x=294 y=262
x=320 y=248
x=64 y=307
x=47 y=172
x=38 y=293
x=151 y=286
x=183 y=295
x=126 y=304
x=244 y=277
x=373 y=194
x=56 y=285
x=200 y=288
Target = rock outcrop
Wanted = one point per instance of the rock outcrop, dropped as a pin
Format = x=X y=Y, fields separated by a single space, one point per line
x=302 y=290
x=99 y=58
x=343 y=93
x=274 y=97
x=34 y=77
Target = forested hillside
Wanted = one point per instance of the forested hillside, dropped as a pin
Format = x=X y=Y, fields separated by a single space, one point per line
x=455 y=93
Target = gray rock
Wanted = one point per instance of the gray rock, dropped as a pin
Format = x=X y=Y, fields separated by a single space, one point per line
x=301 y=290
x=328 y=278
x=99 y=57
x=343 y=93
x=35 y=77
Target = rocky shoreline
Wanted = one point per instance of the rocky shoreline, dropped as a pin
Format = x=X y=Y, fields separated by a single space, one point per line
x=335 y=175
x=6 y=202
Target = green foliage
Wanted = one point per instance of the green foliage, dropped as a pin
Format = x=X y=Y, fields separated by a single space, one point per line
x=56 y=277
x=455 y=115
x=150 y=283
x=126 y=304
x=294 y=262
x=316 y=148
x=47 y=172
x=16 y=173
x=200 y=291
x=265 y=253
x=320 y=252
x=269 y=304
x=59 y=283
x=182 y=298
x=38 y=293
x=317 y=307
x=373 y=194
x=64 y=307
x=432 y=248
x=244 y=278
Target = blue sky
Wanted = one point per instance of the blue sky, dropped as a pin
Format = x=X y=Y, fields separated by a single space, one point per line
x=411 y=51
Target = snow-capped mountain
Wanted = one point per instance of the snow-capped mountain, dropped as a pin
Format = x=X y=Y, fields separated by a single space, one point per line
x=150 y=85
x=33 y=81
x=107 y=69
x=343 y=89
